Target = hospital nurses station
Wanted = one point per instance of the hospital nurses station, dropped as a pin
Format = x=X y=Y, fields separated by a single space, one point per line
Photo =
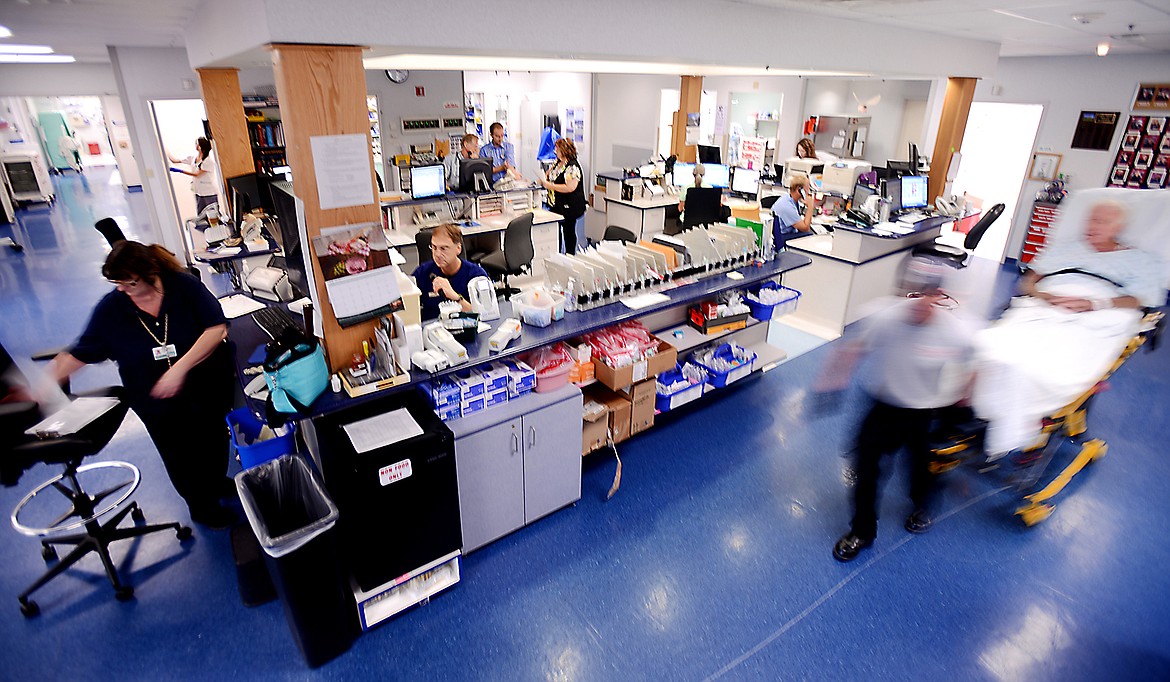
x=541 y=324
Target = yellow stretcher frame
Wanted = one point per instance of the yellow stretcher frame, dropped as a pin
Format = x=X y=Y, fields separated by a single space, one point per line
x=1070 y=422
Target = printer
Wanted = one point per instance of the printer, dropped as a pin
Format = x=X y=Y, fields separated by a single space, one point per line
x=799 y=166
x=841 y=176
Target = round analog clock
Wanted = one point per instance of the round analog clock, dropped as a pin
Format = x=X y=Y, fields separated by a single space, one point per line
x=397 y=75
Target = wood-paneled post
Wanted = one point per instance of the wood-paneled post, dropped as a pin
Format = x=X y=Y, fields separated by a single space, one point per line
x=689 y=95
x=322 y=91
x=225 y=115
x=951 y=126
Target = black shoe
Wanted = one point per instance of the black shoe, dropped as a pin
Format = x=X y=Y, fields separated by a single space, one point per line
x=849 y=546
x=215 y=517
x=227 y=489
x=919 y=521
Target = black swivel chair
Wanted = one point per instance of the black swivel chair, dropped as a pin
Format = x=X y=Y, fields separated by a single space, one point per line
x=82 y=509
x=768 y=202
x=516 y=255
x=613 y=233
x=704 y=206
x=110 y=230
x=955 y=257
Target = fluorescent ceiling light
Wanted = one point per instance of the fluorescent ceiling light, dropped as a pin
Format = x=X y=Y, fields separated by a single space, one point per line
x=36 y=58
x=25 y=49
x=1102 y=49
x=5 y=32
x=444 y=62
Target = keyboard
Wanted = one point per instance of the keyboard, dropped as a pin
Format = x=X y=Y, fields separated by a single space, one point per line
x=274 y=320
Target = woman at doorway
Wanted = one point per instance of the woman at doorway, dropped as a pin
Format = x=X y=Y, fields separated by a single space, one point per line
x=204 y=170
x=567 y=190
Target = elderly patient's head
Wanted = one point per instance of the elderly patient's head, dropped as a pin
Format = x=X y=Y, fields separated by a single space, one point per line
x=1105 y=223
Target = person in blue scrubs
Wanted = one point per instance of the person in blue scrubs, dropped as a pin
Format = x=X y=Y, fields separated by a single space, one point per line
x=501 y=153
x=445 y=276
x=788 y=221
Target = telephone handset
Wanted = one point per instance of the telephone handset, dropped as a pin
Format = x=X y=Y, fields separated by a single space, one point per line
x=948 y=207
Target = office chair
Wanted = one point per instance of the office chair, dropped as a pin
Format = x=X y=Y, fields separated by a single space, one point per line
x=85 y=509
x=769 y=202
x=422 y=242
x=704 y=205
x=517 y=254
x=953 y=255
x=613 y=233
x=672 y=220
x=110 y=230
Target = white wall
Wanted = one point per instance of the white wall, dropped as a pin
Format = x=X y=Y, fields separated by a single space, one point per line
x=790 y=90
x=626 y=113
x=144 y=74
x=521 y=125
x=1101 y=84
x=123 y=143
x=570 y=90
x=835 y=97
x=32 y=80
x=398 y=101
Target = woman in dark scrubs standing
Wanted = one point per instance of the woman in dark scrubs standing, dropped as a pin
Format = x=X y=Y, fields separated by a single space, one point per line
x=566 y=190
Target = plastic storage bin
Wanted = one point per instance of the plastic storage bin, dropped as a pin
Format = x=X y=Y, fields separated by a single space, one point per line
x=293 y=519
x=665 y=402
x=241 y=421
x=554 y=379
x=538 y=308
x=767 y=312
x=721 y=379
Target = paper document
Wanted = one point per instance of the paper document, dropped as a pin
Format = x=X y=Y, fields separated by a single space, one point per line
x=644 y=301
x=382 y=430
x=70 y=420
x=342 y=166
x=238 y=305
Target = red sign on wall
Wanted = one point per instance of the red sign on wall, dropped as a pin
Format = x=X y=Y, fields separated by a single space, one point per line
x=420 y=91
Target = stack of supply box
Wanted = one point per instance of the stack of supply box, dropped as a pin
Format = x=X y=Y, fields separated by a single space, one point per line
x=469 y=391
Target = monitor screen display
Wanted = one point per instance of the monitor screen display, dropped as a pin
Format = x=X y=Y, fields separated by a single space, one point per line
x=708 y=154
x=252 y=192
x=913 y=191
x=745 y=181
x=288 y=236
x=716 y=175
x=684 y=174
x=892 y=191
x=469 y=169
x=860 y=194
x=427 y=181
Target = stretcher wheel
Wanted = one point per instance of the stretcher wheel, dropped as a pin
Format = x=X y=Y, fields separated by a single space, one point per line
x=1076 y=424
x=1034 y=513
x=1095 y=449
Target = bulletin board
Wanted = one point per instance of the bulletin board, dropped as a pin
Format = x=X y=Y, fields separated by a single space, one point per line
x=1143 y=160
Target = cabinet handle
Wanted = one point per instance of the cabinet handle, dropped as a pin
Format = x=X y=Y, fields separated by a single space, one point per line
x=531 y=436
x=515 y=443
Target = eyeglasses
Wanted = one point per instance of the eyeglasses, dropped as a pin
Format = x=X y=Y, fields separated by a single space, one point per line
x=126 y=283
x=443 y=249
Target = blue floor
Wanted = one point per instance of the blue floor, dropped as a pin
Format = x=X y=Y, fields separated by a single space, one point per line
x=712 y=561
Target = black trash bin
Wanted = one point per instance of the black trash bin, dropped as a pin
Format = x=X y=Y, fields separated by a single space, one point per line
x=293 y=519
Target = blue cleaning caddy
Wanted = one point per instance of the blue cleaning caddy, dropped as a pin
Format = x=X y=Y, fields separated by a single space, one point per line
x=241 y=422
x=786 y=305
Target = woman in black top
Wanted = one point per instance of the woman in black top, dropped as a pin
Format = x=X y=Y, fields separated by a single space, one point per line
x=166 y=333
x=566 y=190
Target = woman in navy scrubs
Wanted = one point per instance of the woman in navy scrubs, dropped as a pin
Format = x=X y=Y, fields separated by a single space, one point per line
x=166 y=332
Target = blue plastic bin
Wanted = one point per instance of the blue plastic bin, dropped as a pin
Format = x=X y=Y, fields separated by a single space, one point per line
x=765 y=312
x=242 y=421
x=665 y=402
x=721 y=379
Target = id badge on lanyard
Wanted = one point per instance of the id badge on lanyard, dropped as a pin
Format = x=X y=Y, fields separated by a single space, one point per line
x=164 y=352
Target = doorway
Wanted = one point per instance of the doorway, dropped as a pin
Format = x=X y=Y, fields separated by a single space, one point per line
x=178 y=123
x=997 y=147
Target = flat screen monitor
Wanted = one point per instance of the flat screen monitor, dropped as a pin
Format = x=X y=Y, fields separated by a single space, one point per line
x=913 y=191
x=253 y=193
x=899 y=168
x=427 y=182
x=684 y=174
x=716 y=175
x=708 y=154
x=892 y=191
x=469 y=170
x=745 y=181
x=861 y=192
x=288 y=235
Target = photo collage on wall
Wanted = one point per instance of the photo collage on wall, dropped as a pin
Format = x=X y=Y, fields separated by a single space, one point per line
x=1144 y=157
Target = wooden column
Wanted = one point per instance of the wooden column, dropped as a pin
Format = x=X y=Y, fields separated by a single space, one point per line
x=322 y=91
x=689 y=94
x=225 y=115
x=951 y=126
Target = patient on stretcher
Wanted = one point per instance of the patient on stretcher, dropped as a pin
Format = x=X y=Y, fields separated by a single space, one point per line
x=1080 y=306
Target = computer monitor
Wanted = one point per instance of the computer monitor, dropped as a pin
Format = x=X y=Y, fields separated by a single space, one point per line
x=288 y=235
x=861 y=192
x=253 y=191
x=684 y=174
x=708 y=154
x=475 y=175
x=892 y=192
x=913 y=191
x=897 y=169
x=427 y=181
x=745 y=181
x=716 y=175
x=914 y=161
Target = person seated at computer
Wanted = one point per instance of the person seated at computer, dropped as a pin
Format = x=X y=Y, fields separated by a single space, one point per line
x=501 y=152
x=204 y=171
x=468 y=149
x=805 y=149
x=445 y=276
x=566 y=190
x=788 y=219
x=699 y=171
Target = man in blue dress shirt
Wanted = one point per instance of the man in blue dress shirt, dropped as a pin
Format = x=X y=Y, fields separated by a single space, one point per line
x=501 y=153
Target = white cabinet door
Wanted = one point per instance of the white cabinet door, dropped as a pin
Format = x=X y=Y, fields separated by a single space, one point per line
x=546 y=241
x=552 y=458
x=491 y=483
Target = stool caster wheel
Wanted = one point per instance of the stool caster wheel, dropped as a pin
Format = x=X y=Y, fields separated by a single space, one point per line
x=29 y=608
x=124 y=593
x=1034 y=513
x=137 y=515
x=48 y=553
x=184 y=533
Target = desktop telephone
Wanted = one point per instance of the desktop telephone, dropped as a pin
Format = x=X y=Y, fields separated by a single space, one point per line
x=948 y=207
x=481 y=293
x=653 y=187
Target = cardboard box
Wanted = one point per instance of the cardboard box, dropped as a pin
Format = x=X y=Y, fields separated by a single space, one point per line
x=498 y=397
x=642 y=397
x=494 y=378
x=594 y=429
x=470 y=385
x=449 y=412
x=621 y=377
x=618 y=407
x=442 y=392
x=521 y=377
x=471 y=406
x=716 y=325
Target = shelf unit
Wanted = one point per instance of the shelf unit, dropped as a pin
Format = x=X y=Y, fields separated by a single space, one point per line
x=265 y=134
x=376 y=136
x=1044 y=214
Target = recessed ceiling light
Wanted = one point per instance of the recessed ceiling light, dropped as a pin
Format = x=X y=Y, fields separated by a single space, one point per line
x=1087 y=17
x=5 y=32
x=36 y=58
x=1102 y=49
x=25 y=49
